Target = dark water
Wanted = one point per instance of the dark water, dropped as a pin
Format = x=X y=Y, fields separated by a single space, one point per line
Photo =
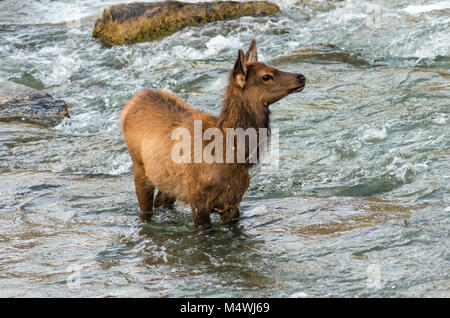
x=358 y=206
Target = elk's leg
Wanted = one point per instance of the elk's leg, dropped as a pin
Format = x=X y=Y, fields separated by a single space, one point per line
x=201 y=215
x=230 y=216
x=164 y=200
x=144 y=191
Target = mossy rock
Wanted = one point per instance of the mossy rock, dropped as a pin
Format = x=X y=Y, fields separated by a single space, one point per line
x=22 y=103
x=138 y=22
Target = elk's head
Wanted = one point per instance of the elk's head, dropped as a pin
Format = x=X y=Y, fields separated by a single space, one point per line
x=261 y=83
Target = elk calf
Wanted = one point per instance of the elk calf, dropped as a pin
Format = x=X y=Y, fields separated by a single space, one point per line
x=150 y=118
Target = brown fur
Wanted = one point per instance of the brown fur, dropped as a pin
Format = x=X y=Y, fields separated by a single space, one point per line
x=147 y=123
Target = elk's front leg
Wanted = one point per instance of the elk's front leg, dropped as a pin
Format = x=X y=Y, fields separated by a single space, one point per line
x=144 y=191
x=230 y=214
x=201 y=215
x=164 y=200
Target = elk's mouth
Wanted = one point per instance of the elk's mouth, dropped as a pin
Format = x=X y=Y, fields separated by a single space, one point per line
x=298 y=89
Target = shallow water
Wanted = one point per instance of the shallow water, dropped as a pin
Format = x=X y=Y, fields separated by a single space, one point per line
x=359 y=205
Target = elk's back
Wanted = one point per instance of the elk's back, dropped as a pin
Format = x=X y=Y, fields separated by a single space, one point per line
x=147 y=123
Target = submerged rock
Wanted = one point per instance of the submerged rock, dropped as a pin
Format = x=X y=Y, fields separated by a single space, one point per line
x=137 y=22
x=19 y=102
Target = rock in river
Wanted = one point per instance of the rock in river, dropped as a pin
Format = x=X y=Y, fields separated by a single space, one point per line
x=137 y=22
x=19 y=102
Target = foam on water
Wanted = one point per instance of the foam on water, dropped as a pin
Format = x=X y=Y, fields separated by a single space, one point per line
x=374 y=134
x=219 y=43
x=358 y=22
x=49 y=11
x=416 y=9
x=440 y=119
x=298 y=295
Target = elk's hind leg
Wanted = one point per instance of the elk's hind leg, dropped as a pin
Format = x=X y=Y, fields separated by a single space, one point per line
x=144 y=191
x=164 y=200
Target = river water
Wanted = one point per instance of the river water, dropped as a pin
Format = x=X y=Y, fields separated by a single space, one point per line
x=357 y=207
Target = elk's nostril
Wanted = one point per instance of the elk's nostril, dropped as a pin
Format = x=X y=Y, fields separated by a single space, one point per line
x=301 y=78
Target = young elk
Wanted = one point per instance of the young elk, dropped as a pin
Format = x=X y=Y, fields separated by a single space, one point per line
x=149 y=120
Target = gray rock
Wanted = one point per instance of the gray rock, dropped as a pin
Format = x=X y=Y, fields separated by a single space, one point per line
x=22 y=103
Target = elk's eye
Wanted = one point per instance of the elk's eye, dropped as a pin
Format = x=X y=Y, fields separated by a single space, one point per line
x=267 y=77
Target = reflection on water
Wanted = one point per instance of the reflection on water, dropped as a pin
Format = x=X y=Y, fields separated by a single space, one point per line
x=358 y=206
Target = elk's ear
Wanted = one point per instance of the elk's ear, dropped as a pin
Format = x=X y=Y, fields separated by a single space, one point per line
x=252 y=54
x=240 y=70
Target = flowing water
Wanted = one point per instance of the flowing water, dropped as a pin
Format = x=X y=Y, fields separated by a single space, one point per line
x=358 y=207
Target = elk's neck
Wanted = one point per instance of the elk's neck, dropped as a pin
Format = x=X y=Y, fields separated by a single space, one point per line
x=240 y=113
